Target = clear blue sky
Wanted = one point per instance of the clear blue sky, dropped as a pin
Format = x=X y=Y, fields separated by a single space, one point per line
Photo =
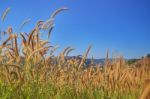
x=122 y=26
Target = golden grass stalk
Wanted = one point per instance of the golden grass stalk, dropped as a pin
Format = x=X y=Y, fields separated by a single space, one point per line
x=146 y=92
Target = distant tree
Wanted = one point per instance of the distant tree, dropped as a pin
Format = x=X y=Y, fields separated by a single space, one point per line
x=132 y=61
x=148 y=55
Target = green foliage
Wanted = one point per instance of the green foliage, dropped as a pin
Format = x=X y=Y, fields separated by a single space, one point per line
x=34 y=90
x=132 y=61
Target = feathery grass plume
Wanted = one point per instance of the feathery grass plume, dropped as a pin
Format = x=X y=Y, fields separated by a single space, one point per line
x=24 y=41
x=67 y=52
x=9 y=30
x=5 y=14
x=26 y=34
x=107 y=58
x=8 y=39
x=3 y=18
x=49 y=32
x=44 y=43
x=37 y=50
x=24 y=23
x=49 y=24
x=10 y=54
x=54 y=49
x=66 y=49
x=16 y=46
x=85 y=56
x=58 y=11
x=30 y=36
x=39 y=23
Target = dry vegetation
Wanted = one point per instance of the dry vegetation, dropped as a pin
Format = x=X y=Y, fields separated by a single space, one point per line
x=29 y=69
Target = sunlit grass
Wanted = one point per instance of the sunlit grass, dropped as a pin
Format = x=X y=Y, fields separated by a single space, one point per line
x=30 y=70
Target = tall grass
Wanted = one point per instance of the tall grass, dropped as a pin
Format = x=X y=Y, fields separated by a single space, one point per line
x=29 y=69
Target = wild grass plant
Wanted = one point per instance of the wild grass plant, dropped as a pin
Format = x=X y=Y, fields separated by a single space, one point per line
x=30 y=70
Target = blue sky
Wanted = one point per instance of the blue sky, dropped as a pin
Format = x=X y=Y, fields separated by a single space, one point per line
x=122 y=26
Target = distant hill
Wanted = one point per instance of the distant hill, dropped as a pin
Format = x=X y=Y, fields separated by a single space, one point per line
x=102 y=60
x=88 y=60
x=95 y=61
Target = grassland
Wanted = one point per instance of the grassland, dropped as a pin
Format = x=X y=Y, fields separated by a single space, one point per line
x=30 y=70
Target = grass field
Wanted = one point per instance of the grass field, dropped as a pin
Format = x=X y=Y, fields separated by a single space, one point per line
x=29 y=70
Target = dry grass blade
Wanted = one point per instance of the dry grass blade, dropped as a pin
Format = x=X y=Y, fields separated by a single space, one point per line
x=5 y=14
